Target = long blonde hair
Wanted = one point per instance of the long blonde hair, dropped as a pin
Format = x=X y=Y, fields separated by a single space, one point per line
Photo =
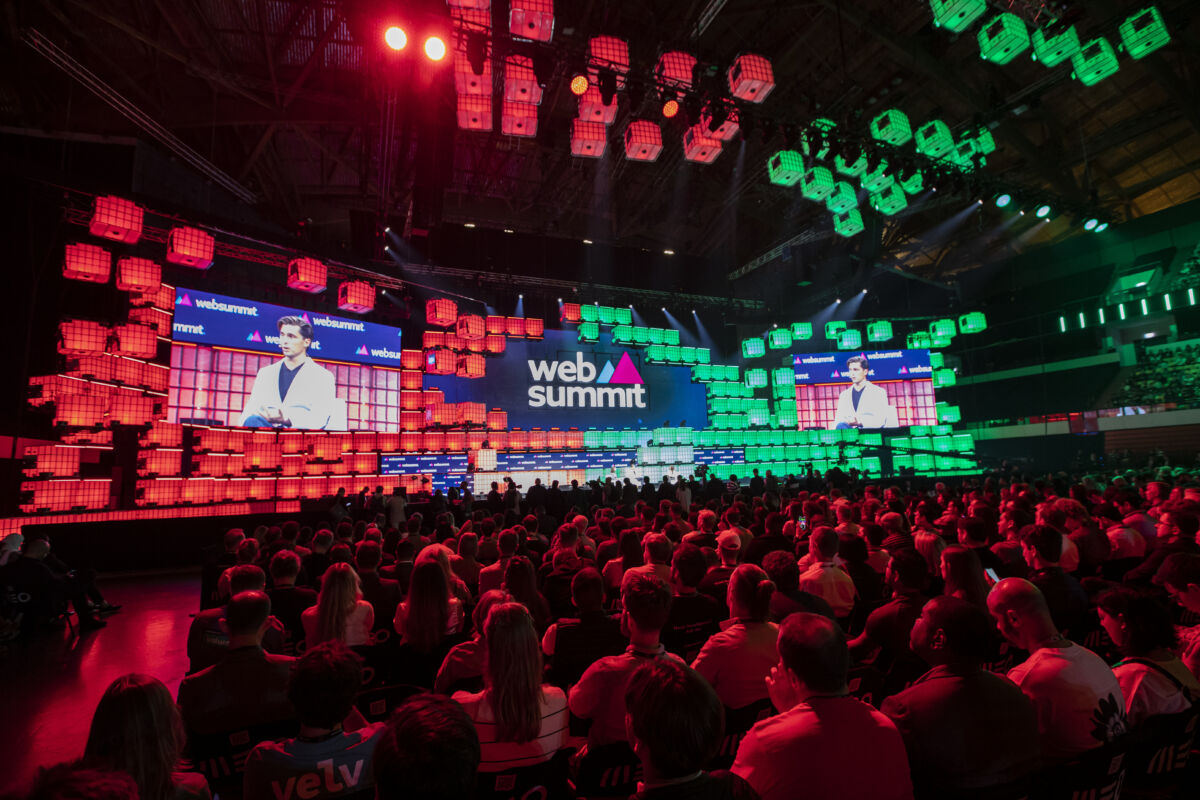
x=137 y=729
x=340 y=592
x=513 y=674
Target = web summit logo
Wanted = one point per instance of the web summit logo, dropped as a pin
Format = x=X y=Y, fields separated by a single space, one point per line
x=604 y=394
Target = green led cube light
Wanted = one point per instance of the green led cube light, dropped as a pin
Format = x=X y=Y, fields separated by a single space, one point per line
x=703 y=355
x=947 y=413
x=937 y=360
x=985 y=143
x=963 y=154
x=1094 y=62
x=785 y=168
x=656 y=352
x=956 y=15
x=877 y=179
x=589 y=331
x=1054 y=44
x=641 y=335
x=673 y=353
x=658 y=336
x=879 y=331
x=833 y=328
x=942 y=329
x=842 y=198
x=943 y=378
x=893 y=127
x=1144 y=32
x=671 y=336
x=912 y=184
x=622 y=334
x=756 y=378
x=779 y=339
x=817 y=183
x=1003 y=39
x=608 y=315
x=854 y=167
x=848 y=224
x=919 y=340
x=972 y=322
x=849 y=339
x=702 y=373
x=624 y=316
x=589 y=313
x=891 y=200
x=801 y=331
x=934 y=139
x=753 y=347
x=784 y=376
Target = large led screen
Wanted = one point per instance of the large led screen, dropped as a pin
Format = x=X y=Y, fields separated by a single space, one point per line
x=244 y=363
x=880 y=389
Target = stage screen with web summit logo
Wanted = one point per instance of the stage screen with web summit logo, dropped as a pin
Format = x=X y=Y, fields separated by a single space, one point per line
x=559 y=383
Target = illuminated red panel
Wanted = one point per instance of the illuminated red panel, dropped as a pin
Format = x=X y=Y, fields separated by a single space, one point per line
x=410 y=441
x=138 y=275
x=51 y=461
x=307 y=275
x=475 y=439
x=441 y=311
x=520 y=84
x=453 y=341
x=411 y=379
x=190 y=247
x=535 y=327
x=751 y=78
x=87 y=262
x=163 y=297
x=494 y=324
x=80 y=410
x=136 y=341
x=162 y=434
x=357 y=297
x=433 y=440
x=643 y=140
x=162 y=491
x=364 y=442
x=518 y=440
x=470 y=326
x=537 y=439
x=388 y=442
x=574 y=439
x=443 y=414
x=65 y=495
x=531 y=19
x=82 y=337
x=433 y=339
x=130 y=409
x=471 y=366
x=93 y=436
x=495 y=344
x=289 y=488
x=262 y=453
x=699 y=147
x=588 y=139
x=132 y=372
x=608 y=52
x=475 y=112
x=99 y=367
x=412 y=359
x=515 y=326
x=327 y=448
x=472 y=413
x=570 y=312
x=362 y=463
x=497 y=420
x=441 y=362
x=592 y=108
x=153 y=317
x=455 y=441
x=475 y=345
x=292 y=465
x=556 y=439
x=412 y=420
x=675 y=69
x=165 y=461
x=117 y=219
x=431 y=396
x=498 y=440
x=197 y=491
x=293 y=443
x=466 y=82
x=348 y=482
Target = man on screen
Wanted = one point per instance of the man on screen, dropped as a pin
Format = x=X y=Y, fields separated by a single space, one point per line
x=294 y=392
x=863 y=405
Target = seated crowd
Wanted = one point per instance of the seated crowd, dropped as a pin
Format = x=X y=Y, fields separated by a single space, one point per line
x=801 y=640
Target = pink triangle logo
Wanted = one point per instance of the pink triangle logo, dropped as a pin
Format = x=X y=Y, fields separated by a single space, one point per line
x=254 y=337
x=362 y=350
x=626 y=372
x=304 y=317
x=835 y=374
x=183 y=301
x=904 y=370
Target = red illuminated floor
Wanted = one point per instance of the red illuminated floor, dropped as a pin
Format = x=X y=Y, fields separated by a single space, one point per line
x=52 y=685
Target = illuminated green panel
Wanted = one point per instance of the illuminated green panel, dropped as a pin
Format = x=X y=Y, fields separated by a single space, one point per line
x=934 y=139
x=1053 y=45
x=963 y=154
x=674 y=353
x=1144 y=32
x=592 y=439
x=801 y=331
x=879 y=331
x=850 y=339
x=972 y=322
x=756 y=378
x=956 y=15
x=937 y=360
x=913 y=184
x=786 y=415
x=703 y=355
x=948 y=413
x=658 y=336
x=631 y=438
x=1003 y=39
x=964 y=442
x=608 y=315
x=784 y=376
x=671 y=336
x=943 y=378
x=1094 y=62
x=853 y=168
x=641 y=335
x=878 y=179
x=655 y=352
x=780 y=391
x=891 y=200
x=622 y=334
x=842 y=199
x=702 y=373
x=985 y=143
x=939 y=342
x=758 y=416
x=942 y=329
x=732 y=372
x=832 y=329
x=785 y=168
x=919 y=340
x=753 y=348
x=893 y=127
x=817 y=183
x=589 y=331
x=624 y=316
x=590 y=313
x=779 y=339
x=848 y=224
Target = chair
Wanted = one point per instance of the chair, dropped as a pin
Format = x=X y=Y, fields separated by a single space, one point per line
x=738 y=722
x=221 y=757
x=611 y=770
x=1098 y=774
x=547 y=781
x=1159 y=752
x=378 y=703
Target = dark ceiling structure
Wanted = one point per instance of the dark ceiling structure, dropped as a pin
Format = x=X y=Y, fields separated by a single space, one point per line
x=293 y=107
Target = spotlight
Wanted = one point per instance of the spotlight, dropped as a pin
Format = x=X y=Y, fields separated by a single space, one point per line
x=839 y=299
x=560 y=299
x=477 y=51
x=520 y=297
x=1090 y=225
x=864 y=291
x=664 y=308
x=387 y=230
x=395 y=37
x=579 y=81
x=978 y=202
x=508 y=230
x=468 y=224
x=587 y=241
x=1101 y=228
x=435 y=48
x=606 y=80
x=670 y=108
x=668 y=252
x=1003 y=200
x=1022 y=212
x=1043 y=211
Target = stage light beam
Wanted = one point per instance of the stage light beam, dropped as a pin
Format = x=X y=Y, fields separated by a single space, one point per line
x=435 y=48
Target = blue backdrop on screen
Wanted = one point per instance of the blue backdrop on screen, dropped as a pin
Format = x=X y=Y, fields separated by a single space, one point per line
x=884 y=365
x=560 y=383
x=220 y=321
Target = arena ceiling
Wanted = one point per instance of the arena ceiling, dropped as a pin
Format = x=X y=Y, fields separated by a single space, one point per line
x=293 y=101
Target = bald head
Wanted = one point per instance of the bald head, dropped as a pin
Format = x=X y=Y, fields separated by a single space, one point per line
x=1021 y=613
x=1017 y=595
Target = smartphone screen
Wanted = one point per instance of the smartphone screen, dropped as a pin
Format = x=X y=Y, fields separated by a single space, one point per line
x=992 y=577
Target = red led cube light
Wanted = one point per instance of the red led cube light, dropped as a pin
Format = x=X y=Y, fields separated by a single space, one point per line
x=497 y=420
x=433 y=440
x=515 y=326
x=138 y=275
x=411 y=400
x=411 y=379
x=356 y=296
x=537 y=439
x=570 y=312
x=411 y=421
x=87 y=262
x=441 y=362
x=132 y=409
x=475 y=112
x=471 y=366
x=495 y=324
x=190 y=247
x=751 y=78
x=466 y=82
x=117 y=219
x=518 y=119
x=307 y=275
x=82 y=337
x=699 y=147
x=574 y=439
x=608 y=52
x=441 y=311
x=431 y=396
x=494 y=344
x=531 y=19
x=452 y=341
x=472 y=414
x=136 y=341
x=520 y=84
x=470 y=326
x=588 y=139
x=412 y=359
x=155 y=318
x=80 y=410
x=455 y=441
x=675 y=69
x=433 y=339
x=535 y=327
x=593 y=109
x=442 y=414
x=474 y=345
x=643 y=141
x=518 y=440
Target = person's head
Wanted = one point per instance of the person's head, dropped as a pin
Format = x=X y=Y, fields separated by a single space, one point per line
x=37 y=549
x=468 y=545
x=646 y=599
x=824 y=543
x=295 y=336
x=1042 y=546
x=1179 y=574
x=874 y=534
x=1021 y=614
x=323 y=683
x=285 y=566
x=428 y=751
x=82 y=780
x=892 y=522
x=322 y=541
x=782 y=569
x=247 y=551
x=1137 y=623
x=973 y=531
x=706 y=521
x=1178 y=524
x=520 y=580
x=428 y=606
x=137 y=729
x=630 y=548
x=858 y=369
x=729 y=544
x=907 y=571
x=930 y=546
x=963 y=573
x=368 y=555
x=852 y=549
x=340 y=592
x=513 y=672
x=952 y=631
x=657 y=548
x=813 y=654
x=233 y=537
x=673 y=718
x=508 y=541
x=688 y=566
x=749 y=594
x=246 y=616
x=587 y=590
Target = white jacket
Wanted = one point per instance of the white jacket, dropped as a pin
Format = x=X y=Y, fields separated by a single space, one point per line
x=310 y=398
x=872 y=407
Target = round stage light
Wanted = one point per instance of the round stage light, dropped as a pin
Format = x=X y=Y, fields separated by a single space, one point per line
x=1101 y=228
x=670 y=108
x=1042 y=211
x=395 y=37
x=435 y=48
x=579 y=84
x=1090 y=225
x=1002 y=201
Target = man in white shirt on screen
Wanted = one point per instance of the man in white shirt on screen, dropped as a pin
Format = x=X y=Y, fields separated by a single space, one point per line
x=294 y=392
x=863 y=405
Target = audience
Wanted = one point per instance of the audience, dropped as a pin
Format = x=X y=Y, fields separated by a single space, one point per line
x=428 y=751
x=288 y=601
x=340 y=612
x=826 y=578
x=430 y=613
x=694 y=616
x=737 y=660
x=383 y=594
x=208 y=637
x=572 y=644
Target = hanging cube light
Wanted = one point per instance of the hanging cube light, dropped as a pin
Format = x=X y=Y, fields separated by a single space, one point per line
x=190 y=247
x=138 y=275
x=531 y=19
x=441 y=311
x=919 y=340
x=962 y=155
x=956 y=15
x=849 y=339
x=568 y=312
x=356 y=296
x=135 y=341
x=877 y=179
x=842 y=198
x=942 y=329
x=985 y=143
x=753 y=347
x=801 y=331
x=520 y=82
x=623 y=316
x=117 y=219
x=972 y=322
x=779 y=339
x=817 y=184
x=937 y=360
x=593 y=108
x=751 y=78
x=816 y=139
x=79 y=337
x=1003 y=39
x=307 y=275
x=590 y=312
x=589 y=331
x=471 y=366
x=466 y=81
x=893 y=127
x=1144 y=32
x=643 y=141
x=470 y=327
x=890 y=201
x=947 y=414
x=475 y=112
x=854 y=166
x=943 y=378
x=87 y=262
x=912 y=183
x=833 y=328
x=934 y=139
x=879 y=331
x=1094 y=62
x=849 y=223
x=610 y=53
x=441 y=362
x=519 y=119
x=785 y=168
x=720 y=120
x=699 y=147
x=1054 y=44
x=588 y=139
x=756 y=378
x=674 y=69
x=608 y=315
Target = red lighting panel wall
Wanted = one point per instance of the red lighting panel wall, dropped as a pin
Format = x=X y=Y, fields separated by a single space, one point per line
x=471 y=366
x=431 y=396
x=497 y=420
x=163 y=297
x=608 y=52
x=475 y=345
x=291 y=443
x=472 y=413
x=152 y=317
x=412 y=420
x=441 y=311
x=117 y=219
x=51 y=461
x=574 y=439
x=433 y=440
x=92 y=367
x=443 y=414
x=537 y=439
x=80 y=410
x=531 y=19
x=470 y=326
x=519 y=119
x=441 y=362
x=307 y=275
x=475 y=112
x=327 y=448
x=411 y=400
x=138 y=275
x=452 y=341
x=515 y=326
x=262 y=453
x=518 y=440
x=751 y=78
x=65 y=495
x=556 y=439
x=190 y=247
x=357 y=297
x=364 y=442
x=570 y=312
x=495 y=344
x=161 y=434
x=136 y=341
x=165 y=461
x=520 y=84
x=130 y=409
x=433 y=339
x=466 y=82
x=535 y=327
x=643 y=140
x=142 y=374
x=388 y=442
x=159 y=492
x=412 y=359
x=495 y=324
x=410 y=441
x=455 y=441
x=475 y=439
x=675 y=68
x=588 y=139
x=593 y=109
x=87 y=262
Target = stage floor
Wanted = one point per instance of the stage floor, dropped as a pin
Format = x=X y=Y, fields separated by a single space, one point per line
x=52 y=685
